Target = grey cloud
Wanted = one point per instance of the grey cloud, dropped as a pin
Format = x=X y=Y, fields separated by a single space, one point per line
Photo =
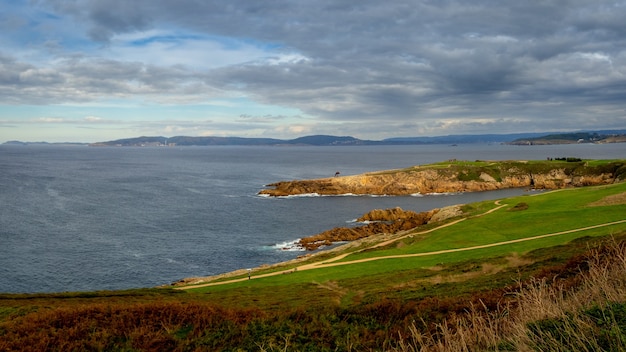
x=103 y=18
x=398 y=61
x=88 y=79
x=264 y=119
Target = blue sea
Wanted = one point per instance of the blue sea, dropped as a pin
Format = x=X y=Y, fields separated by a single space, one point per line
x=77 y=218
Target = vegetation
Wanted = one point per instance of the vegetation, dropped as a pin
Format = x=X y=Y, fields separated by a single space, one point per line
x=559 y=286
x=498 y=170
x=585 y=312
x=571 y=166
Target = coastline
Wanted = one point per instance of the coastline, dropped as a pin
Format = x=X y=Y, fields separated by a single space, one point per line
x=194 y=226
x=448 y=177
x=455 y=176
x=439 y=216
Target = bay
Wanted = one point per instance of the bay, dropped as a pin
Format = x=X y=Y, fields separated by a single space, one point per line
x=83 y=219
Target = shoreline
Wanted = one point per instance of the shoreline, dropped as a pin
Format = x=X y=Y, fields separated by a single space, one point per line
x=455 y=176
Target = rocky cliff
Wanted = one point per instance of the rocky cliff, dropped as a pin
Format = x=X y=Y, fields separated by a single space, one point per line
x=460 y=176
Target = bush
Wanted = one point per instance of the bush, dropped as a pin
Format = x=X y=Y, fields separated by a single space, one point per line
x=569 y=159
x=519 y=207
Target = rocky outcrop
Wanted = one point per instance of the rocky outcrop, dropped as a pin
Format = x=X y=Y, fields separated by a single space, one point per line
x=394 y=214
x=458 y=177
x=379 y=221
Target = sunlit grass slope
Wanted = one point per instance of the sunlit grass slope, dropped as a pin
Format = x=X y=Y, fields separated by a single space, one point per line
x=525 y=217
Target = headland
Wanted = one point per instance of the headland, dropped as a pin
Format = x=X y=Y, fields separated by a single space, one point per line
x=460 y=176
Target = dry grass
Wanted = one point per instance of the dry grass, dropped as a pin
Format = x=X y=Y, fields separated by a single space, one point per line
x=546 y=315
x=615 y=199
x=512 y=261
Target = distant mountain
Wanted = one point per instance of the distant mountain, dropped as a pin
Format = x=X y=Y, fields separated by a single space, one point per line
x=462 y=138
x=604 y=136
x=318 y=140
x=328 y=140
x=44 y=143
x=182 y=140
x=315 y=140
x=610 y=136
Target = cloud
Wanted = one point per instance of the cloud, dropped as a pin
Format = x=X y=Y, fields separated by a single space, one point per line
x=87 y=120
x=370 y=67
x=265 y=119
x=194 y=51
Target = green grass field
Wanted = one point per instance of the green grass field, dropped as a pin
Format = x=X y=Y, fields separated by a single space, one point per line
x=544 y=214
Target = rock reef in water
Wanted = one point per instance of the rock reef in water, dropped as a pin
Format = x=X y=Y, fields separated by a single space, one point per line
x=379 y=221
x=458 y=176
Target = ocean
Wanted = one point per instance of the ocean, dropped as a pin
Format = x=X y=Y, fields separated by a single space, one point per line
x=77 y=218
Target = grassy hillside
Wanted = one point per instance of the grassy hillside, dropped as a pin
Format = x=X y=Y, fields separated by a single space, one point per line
x=416 y=290
x=542 y=214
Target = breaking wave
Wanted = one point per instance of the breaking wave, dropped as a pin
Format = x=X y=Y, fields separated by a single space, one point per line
x=312 y=195
x=288 y=246
x=435 y=194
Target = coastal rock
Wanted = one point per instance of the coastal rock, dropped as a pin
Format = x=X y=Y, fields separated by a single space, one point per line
x=456 y=177
x=446 y=213
x=378 y=221
x=393 y=214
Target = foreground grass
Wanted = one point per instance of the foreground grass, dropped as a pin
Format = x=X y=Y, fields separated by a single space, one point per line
x=432 y=303
x=589 y=315
x=490 y=311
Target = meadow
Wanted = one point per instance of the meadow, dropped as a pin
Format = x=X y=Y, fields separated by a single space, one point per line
x=544 y=271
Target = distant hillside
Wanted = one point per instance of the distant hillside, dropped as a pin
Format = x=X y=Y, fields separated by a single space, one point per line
x=44 y=143
x=462 y=138
x=329 y=140
x=316 y=140
x=614 y=136
x=598 y=137
x=206 y=141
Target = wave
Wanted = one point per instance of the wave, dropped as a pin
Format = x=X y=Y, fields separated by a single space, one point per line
x=314 y=195
x=357 y=222
x=288 y=246
x=435 y=194
x=303 y=195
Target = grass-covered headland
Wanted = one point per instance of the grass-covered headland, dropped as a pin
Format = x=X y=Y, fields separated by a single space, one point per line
x=539 y=272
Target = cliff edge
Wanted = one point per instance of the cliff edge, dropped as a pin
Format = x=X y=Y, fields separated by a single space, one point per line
x=461 y=176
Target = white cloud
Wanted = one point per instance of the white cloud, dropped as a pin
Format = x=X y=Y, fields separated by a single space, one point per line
x=52 y=120
x=171 y=48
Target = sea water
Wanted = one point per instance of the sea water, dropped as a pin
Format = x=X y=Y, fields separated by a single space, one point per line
x=84 y=218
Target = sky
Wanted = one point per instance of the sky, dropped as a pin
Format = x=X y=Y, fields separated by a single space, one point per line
x=100 y=70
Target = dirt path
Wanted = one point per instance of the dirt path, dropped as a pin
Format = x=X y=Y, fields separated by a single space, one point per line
x=334 y=261
x=327 y=264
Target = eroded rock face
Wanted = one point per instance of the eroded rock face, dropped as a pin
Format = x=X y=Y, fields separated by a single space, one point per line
x=378 y=221
x=393 y=214
x=454 y=178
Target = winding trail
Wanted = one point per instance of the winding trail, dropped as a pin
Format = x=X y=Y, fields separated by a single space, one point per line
x=334 y=261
